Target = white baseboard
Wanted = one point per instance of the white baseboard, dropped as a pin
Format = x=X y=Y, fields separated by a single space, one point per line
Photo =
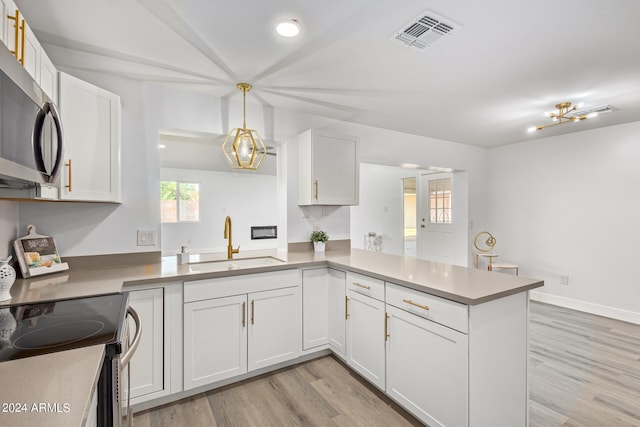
x=587 y=307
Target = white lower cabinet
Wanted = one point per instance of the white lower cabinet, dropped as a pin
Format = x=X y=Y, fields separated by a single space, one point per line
x=239 y=324
x=147 y=364
x=215 y=340
x=274 y=327
x=366 y=337
x=427 y=369
x=159 y=308
x=315 y=308
x=337 y=312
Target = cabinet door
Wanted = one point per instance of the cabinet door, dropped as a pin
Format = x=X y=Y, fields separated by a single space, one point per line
x=48 y=77
x=32 y=49
x=215 y=340
x=427 y=369
x=147 y=364
x=5 y=23
x=91 y=124
x=314 y=308
x=337 y=312
x=274 y=327
x=335 y=170
x=8 y=7
x=366 y=337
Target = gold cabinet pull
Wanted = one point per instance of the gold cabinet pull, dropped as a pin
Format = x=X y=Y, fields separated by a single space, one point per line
x=315 y=195
x=244 y=313
x=360 y=285
x=346 y=307
x=253 y=311
x=386 y=327
x=16 y=39
x=69 y=185
x=24 y=31
x=408 y=301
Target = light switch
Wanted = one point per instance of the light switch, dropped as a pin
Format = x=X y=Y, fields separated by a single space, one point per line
x=146 y=237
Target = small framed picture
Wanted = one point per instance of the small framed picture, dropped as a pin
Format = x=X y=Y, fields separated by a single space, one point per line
x=37 y=254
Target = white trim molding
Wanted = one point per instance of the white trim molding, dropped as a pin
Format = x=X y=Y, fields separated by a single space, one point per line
x=587 y=307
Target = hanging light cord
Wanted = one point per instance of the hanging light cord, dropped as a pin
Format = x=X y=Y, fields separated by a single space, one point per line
x=244 y=107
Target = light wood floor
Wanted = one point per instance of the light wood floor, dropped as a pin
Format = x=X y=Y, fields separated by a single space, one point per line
x=584 y=372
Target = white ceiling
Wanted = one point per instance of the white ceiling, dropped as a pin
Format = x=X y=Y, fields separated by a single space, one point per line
x=484 y=84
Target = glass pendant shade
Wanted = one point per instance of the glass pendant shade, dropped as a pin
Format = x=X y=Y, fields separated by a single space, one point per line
x=244 y=148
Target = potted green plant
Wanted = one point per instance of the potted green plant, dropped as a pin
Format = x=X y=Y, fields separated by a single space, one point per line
x=319 y=238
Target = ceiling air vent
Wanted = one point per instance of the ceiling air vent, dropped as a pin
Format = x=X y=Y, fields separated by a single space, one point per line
x=598 y=110
x=425 y=30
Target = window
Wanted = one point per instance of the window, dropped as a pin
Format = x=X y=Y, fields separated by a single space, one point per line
x=179 y=201
x=440 y=201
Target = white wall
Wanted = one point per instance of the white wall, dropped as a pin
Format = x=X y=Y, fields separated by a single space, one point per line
x=8 y=227
x=381 y=207
x=252 y=202
x=568 y=205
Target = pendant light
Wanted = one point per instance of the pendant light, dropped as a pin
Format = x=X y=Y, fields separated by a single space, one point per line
x=243 y=147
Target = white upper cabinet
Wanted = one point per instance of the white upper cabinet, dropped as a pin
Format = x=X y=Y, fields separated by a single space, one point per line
x=48 y=77
x=6 y=8
x=17 y=35
x=30 y=52
x=91 y=119
x=328 y=169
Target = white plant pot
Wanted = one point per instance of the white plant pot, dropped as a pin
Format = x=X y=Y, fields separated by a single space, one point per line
x=318 y=246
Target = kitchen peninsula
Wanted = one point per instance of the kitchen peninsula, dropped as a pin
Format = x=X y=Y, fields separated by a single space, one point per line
x=460 y=332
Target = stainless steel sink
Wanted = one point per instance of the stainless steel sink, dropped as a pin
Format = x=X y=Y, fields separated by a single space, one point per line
x=235 y=264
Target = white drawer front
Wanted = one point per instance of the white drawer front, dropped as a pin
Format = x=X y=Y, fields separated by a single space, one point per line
x=197 y=290
x=440 y=310
x=366 y=285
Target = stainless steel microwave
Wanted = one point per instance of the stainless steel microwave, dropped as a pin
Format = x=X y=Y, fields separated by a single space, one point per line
x=31 y=139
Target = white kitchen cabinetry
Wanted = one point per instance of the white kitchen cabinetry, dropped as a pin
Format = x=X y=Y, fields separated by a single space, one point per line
x=366 y=328
x=237 y=324
x=48 y=77
x=30 y=52
x=6 y=7
x=427 y=370
x=91 y=119
x=274 y=327
x=151 y=363
x=215 y=340
x=147 y=364
x=315 y=308
x=328 y=169
x=337 y=312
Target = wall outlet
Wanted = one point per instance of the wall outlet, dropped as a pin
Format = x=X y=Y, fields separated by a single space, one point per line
x=564 y=280
x=147 y=237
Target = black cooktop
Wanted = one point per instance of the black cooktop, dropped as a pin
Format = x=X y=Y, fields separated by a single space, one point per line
x=32 y=329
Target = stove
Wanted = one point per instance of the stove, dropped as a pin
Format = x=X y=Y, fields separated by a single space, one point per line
x=33 y=329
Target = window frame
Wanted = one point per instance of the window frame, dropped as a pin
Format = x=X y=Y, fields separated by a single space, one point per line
x=178 y=202
x=444 y=194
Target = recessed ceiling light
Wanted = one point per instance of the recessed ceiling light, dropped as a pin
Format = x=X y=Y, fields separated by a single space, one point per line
x=162 y=146
x=288 y=28
x=409 y=166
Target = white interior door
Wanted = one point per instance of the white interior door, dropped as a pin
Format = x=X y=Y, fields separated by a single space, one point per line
x=444 y=215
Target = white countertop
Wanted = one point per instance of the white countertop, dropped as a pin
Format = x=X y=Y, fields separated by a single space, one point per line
x=49 y=390
x=460 y=284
